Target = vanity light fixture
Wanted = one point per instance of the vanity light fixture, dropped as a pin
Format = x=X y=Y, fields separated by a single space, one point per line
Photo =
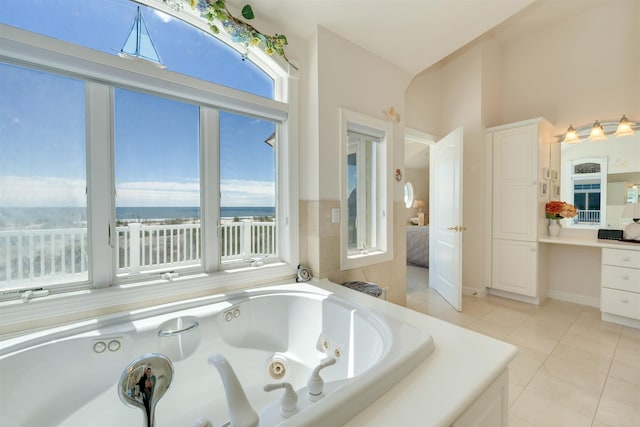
x=571 y=137
x=624 y=127
x=599 y=130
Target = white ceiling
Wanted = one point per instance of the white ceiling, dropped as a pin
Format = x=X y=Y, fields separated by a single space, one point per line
x=413 y=34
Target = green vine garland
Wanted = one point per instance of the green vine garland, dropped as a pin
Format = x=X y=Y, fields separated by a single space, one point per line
x=216 y=13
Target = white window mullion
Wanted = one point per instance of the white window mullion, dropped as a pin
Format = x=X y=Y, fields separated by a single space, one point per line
x=210 y=188
x=100 y=183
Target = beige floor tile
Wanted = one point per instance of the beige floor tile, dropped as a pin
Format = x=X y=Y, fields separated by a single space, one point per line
x=532 y=340
x=564 y=392
x=543 y=412
x=602 y=332
x=586 y=379
x=631 y=333
x=629 y=372
x=593 y=344
x=566 y=309
x=525 y=365
x=559 y=377
x=620 y=404
x=582 y=358
x=628 y=350
x=458 y=318
x=516 y=421
x=514 y=392
x=547 y=329
x=493 y=329
x=507 y=316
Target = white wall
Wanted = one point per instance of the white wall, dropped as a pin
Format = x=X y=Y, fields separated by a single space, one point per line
x=572 y=72
x=350 y=77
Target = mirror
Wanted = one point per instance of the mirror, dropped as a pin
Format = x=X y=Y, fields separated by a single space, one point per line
x=408 y=195
x=620 y=175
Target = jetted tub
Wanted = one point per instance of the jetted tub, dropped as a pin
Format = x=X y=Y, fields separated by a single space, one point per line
x=68 y=375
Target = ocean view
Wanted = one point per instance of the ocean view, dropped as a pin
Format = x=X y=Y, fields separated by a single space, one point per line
x=72 y=217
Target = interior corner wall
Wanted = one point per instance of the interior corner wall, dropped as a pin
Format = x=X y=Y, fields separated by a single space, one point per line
x=423 y=98
x=350 y=77
x=308 y=149
x=578 y=70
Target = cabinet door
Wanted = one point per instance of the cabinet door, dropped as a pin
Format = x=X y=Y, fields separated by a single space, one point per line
x=515 y=267
x=515 y=183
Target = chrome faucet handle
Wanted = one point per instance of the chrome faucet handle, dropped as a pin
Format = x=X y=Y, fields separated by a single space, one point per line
x=144 y=382
x=289 y=401
x=315 y=383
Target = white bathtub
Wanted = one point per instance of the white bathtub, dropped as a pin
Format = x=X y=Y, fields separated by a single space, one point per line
x=56 y=377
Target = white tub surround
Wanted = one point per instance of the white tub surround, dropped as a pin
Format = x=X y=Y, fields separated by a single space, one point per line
x=394 y=366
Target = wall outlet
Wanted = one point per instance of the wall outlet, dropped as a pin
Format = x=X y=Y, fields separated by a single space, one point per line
x=335 y=215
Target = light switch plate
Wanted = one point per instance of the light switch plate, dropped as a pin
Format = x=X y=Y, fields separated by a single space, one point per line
x=335 y=215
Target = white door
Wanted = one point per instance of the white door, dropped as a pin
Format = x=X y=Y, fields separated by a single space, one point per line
x=445 y=218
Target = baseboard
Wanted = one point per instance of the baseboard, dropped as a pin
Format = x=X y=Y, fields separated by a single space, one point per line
x=574 y=298
x=475 y=292
x=632 y=323
x=517 y=297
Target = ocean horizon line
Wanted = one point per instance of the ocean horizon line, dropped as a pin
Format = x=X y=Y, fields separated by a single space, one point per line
x=75 y=215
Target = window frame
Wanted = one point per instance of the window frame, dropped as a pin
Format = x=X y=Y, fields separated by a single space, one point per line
x=102 y=72
x=351 y=121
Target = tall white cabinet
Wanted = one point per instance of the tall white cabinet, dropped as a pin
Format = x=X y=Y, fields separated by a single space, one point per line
x=518 y=156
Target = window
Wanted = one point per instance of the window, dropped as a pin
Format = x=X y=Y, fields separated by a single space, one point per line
x=114 y=171
x=157 y=181
x=43 y=205
x=247 y=189
x=362 y=203
x=104 y=26
x=366 y=191
x=587 y=191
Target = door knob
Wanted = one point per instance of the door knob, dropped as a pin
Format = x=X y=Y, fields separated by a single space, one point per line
x=457 y=228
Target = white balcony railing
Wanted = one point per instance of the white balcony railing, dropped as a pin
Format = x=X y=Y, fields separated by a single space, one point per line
x=587 y=217
x=50 y=256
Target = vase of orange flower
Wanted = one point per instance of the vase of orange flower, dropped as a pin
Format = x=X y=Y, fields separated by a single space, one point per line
x=555 y=211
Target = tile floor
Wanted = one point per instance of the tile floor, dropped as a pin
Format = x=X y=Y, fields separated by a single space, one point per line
x=572 y=368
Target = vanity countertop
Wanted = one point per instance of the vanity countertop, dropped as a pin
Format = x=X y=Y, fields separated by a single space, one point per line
x=590 y=241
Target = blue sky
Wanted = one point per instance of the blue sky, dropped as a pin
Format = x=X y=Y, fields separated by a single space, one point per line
x=156 y=141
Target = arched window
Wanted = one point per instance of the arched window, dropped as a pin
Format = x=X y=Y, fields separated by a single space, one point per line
x=116 y=170
x=184 y=47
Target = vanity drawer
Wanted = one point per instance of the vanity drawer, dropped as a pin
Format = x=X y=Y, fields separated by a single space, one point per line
x=621 y=303
x=621 y=257
x=622 y=278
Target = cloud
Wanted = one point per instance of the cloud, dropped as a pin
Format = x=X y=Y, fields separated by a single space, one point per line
x=16 y=191
x=163 y=16
x=155 y=193
x=238 y=192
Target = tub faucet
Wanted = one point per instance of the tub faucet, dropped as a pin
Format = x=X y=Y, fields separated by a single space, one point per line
x=240 y=410
x=315 y=384
x=144 y=382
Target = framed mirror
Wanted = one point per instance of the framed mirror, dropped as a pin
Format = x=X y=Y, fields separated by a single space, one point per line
x=619 y=177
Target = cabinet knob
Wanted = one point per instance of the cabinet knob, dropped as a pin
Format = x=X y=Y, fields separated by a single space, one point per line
x=626 y=259
x=625 y=277
x=624 y=300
